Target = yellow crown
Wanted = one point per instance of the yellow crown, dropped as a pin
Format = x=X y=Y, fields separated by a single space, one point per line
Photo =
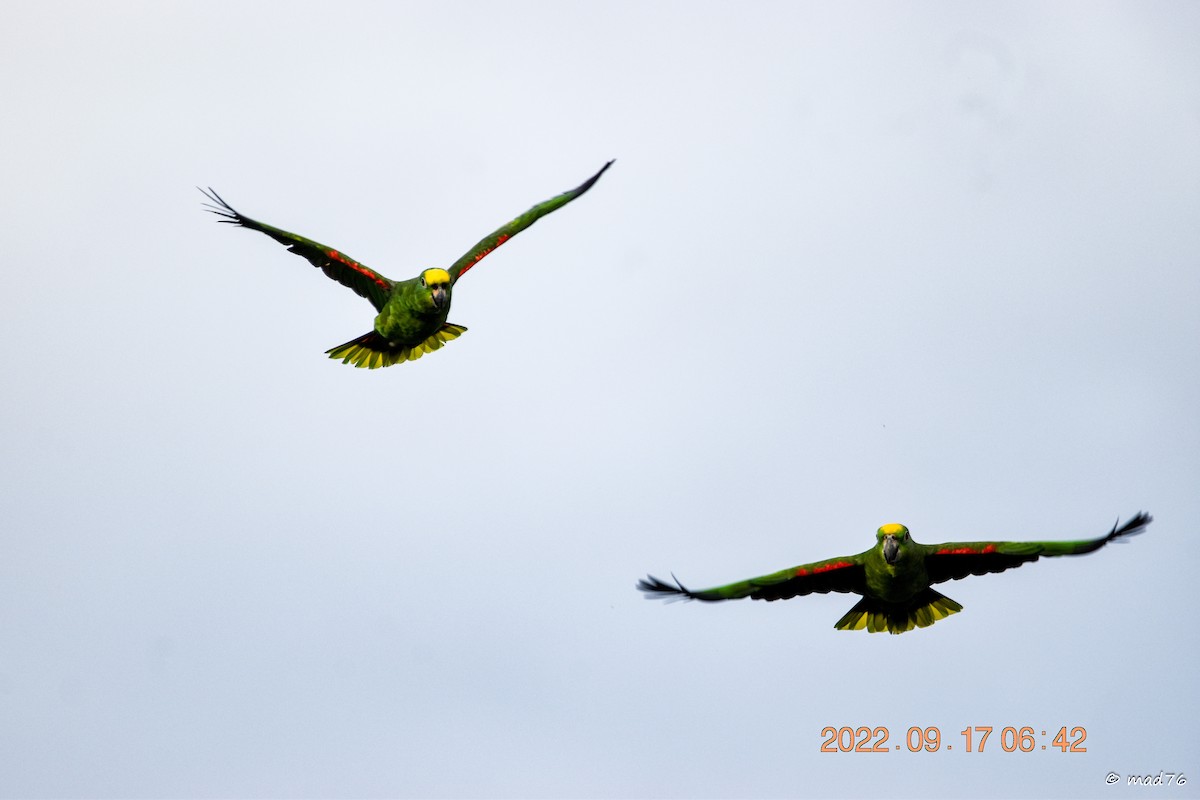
x=435 y=275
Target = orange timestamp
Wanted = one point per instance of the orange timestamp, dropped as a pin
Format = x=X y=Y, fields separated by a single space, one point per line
x=1011 y=739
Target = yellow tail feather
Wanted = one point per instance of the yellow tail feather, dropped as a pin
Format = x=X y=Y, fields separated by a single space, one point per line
x=372 y=351
x=877 y=616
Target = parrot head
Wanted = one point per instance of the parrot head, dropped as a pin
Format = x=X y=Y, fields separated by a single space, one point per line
x=893 y=538
x=436 y=283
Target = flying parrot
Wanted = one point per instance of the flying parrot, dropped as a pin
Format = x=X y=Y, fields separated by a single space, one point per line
x=412 y=313
x=894 y=577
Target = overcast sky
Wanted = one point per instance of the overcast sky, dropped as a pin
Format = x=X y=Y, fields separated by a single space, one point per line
x=936 y=264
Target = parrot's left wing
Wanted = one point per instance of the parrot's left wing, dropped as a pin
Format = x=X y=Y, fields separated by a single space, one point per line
x=506 y=232
x=832 y=575
x=954 y=560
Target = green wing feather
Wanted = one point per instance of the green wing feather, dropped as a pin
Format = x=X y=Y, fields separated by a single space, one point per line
x=954 y=560
x=506 y=232
x=832 y=575
x=364 y=281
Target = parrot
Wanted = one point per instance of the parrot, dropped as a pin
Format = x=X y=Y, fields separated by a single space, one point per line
x=412 y=314
x=894 y=577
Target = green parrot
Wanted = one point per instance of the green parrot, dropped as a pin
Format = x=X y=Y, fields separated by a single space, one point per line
x=412 y=313
x=894 y=576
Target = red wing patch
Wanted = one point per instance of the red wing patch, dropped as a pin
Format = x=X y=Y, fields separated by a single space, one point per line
x=357 y=267
x=966 y=551
x=501 y=239
x=802 y=571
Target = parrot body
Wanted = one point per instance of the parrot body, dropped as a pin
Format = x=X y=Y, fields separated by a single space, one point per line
x=895 y=576
x=411 y=318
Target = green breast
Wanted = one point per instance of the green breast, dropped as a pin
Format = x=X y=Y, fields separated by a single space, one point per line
x=896 y=583
x=409 y=317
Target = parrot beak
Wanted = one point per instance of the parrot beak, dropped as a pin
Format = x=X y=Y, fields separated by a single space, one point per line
x=440 y=298
x=891 y=550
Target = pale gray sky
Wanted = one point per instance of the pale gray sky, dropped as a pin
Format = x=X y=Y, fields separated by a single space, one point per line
x=934 y=264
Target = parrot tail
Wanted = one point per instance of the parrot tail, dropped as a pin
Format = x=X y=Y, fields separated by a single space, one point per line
x=876 y=616
x=371 y=350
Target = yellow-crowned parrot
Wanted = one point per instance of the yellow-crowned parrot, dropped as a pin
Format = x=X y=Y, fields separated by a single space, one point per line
x=412 y=313
x=894 y=577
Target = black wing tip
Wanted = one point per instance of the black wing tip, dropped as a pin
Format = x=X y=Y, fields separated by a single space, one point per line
x=658 y=589
x=219 y=207
x=583 y=187
x=1136 y=524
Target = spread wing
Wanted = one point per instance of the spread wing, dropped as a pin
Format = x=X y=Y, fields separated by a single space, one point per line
x=364 y=281
x=506 y=232
x=832 y=575
x=954 y=560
